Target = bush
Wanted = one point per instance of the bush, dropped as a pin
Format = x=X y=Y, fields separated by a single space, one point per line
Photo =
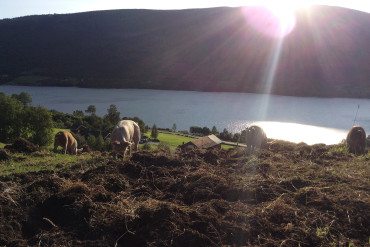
x=91 y=140
x=23 y=97
x=98 y=143
x=19 y=120
x=147 y=147
x=164 y=147
x=11 y=111
x=39 y=125
x=81 y=141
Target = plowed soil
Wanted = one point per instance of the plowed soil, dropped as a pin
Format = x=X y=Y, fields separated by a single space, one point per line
x=286 y=195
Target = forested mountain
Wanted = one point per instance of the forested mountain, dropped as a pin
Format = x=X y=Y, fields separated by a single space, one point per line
x=327 y=53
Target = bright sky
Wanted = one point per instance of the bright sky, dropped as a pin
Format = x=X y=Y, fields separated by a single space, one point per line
x=16 y=8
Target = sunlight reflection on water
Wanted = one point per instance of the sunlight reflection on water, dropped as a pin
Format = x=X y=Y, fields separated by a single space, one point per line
x=294 y=132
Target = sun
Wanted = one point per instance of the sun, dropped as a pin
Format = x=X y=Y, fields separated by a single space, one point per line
x=274 y=18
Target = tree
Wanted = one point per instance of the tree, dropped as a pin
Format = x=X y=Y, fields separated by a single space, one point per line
x=99 y=143
x=91 y=109
x=154 y=133
x=18 y=120
x=196 y=130
x=174 y=127
x=214 y=130
x=23 y=97
x=225 y=135
x=38 y=125
x=243 y=136
x=78 y=113
x=93 y=122
x=236 y=137
x=91 y=140
x=113 y=115
x=11 y=111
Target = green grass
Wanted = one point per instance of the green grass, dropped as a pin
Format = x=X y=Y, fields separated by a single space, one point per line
x=170 y=139
x=226 y=147
x=173 y=140
x=2 y=145
x=22 y=163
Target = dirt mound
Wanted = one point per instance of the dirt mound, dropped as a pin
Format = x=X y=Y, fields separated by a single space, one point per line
x=21 y=145
x=271 y=198
x=4 y=155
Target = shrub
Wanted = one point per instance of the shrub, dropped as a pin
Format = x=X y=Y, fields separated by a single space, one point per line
x=147 y=147
x=39 y=124
x=91 y=141
x=19 y=120
x=11 y=111
x=164 y=147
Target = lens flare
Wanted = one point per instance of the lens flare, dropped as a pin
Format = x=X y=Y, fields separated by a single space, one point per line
x=272 y=19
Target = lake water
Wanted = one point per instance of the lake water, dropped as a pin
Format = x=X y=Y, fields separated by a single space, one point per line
x=311 y=120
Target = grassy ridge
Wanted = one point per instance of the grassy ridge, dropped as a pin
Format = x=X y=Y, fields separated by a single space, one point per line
x=41 y=161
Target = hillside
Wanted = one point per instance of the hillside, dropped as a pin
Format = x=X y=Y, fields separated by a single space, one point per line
x=327 y=54
x=285 y=195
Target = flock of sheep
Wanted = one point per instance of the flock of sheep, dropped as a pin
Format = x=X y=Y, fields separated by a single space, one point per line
x=126 y=135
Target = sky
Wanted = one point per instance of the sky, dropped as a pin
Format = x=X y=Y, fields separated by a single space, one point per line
x=16 y=8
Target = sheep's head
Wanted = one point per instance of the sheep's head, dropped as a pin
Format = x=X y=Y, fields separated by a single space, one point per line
x=121 y=145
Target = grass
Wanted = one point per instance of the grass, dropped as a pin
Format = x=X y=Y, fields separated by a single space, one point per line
x=40 y=161
x=2 y=145
x=226 y=147
x=174 y=140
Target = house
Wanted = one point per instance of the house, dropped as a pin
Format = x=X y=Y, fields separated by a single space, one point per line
x=206 y=142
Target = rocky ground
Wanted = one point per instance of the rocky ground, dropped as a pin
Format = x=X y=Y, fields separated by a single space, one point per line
x=285 y=195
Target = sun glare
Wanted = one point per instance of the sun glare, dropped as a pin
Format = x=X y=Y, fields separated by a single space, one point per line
x=274 y=18
x=309 y=134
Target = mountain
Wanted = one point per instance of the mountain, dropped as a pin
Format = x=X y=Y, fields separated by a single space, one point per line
x=327 y=54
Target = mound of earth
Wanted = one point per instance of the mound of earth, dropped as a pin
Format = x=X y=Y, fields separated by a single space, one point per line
x=306 y=196
x=21 y=145
x=4 y=155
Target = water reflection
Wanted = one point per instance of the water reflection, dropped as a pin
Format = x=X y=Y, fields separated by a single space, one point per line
x=302 y=133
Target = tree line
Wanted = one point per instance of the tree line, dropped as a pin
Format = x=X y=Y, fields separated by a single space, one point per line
x=21 y=120
x=225 y=135
x=18 y=119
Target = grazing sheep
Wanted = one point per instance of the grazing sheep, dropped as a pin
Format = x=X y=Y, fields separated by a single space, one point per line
x=66 y=140
x=255 y=138
x=125 y=134
x=356 y=140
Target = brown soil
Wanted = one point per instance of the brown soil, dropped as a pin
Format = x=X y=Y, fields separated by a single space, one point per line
x=4 y=155
x=287 y=195
x=22 y=146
